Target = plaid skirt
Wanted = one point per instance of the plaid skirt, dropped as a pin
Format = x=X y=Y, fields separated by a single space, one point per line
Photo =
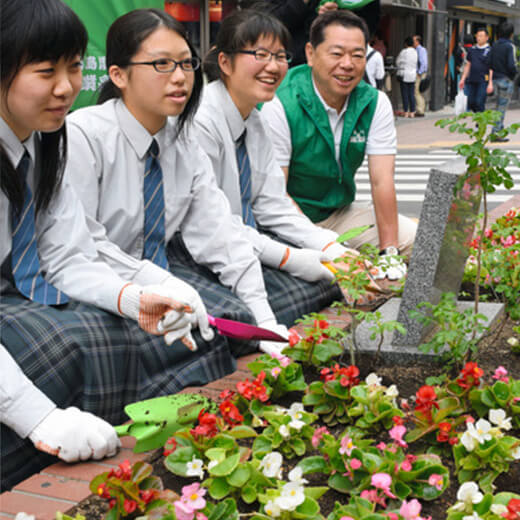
x=290 y=298
x=81 y=356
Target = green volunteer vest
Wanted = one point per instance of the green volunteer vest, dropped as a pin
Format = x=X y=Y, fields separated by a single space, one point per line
x=316 y=181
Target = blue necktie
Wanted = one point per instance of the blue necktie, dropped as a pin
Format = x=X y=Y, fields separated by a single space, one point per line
x=24 y=251
x=154 y=230
x=244 y=171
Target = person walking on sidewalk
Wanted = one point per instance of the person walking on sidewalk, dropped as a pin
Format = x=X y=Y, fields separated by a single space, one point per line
x=477 y=78
x=503 y=64
x=422 y=70
x=407 y=73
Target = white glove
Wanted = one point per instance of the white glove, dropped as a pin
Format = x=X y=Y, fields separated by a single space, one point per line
x=74 y=435
x=307 y=264
x=158 y=312
x=187 y=295
x=274 y=347
x=390 y=266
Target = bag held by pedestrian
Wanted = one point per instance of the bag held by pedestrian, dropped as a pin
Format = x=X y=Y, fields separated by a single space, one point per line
x=461 y=103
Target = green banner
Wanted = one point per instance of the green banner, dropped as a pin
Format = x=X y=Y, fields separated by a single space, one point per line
x=98 y=15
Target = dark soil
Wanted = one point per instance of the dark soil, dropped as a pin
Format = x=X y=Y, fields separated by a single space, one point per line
x=493 y=351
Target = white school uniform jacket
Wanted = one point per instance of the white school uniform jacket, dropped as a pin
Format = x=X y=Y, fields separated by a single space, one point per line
x=107 y=156
x=67 y=252
x=219 y=125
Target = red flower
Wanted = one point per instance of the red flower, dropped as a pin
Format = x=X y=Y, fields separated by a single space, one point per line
x=230 y=413
x=207 y=426
x=129 y=505
x=513 y=510
x=470 y=375
x=321 y=324
x=245 y=389
x=172 y=442
x=102 y=491
x=397 y=420
x=348 y=376
x=226 y=394
x=326 y=374
x=112 y=503
x=124 y=472
x=446 y=434
x=294 y=337
x=147 y=495
x=425 y=399
x=259 y=390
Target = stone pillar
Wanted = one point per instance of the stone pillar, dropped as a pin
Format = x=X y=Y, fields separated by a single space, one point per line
x=438 y=56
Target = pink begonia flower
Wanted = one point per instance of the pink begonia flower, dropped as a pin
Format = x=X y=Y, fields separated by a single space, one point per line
x=381 y=446
x=396 y=434
x=346 y=518
x=410 y=510
x=406 y=465
x=285 y=361
x=318 y=435
x=372 y=496
x=193 y=496
x=509 y=241
x=501 y=374
x=201 y=516
x=469 y=419
x=436 y=481
x=393 y=516
x=355 y=463
x=516 y=399
x=275 y=371
x=488 y=233
x=183 y=511
x=382 y=481
x=347 y=445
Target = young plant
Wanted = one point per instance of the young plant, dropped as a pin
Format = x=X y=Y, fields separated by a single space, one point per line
x=454 y=339
x=490 y=166
x=132 y=488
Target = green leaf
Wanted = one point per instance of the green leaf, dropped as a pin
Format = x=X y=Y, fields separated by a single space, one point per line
x=227 y=466
x=248 y=494
x=353 y=233
x=240 y=475
x=314 y=464
x=219 y=488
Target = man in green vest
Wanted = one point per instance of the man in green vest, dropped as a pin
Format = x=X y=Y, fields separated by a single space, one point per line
x=323 y=121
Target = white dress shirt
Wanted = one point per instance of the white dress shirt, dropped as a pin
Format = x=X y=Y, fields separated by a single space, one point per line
x=107 y=155
x=375 y=67
x=22 y=405
x=407 y=64
x=219 y=125
x=381 y=139
x=67 y=252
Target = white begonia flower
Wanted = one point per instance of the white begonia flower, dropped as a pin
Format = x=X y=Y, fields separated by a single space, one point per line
x=516 y=453
x=272 y=509
x=296 y=413
x=284 y=431
x=195 y=468
x=474 y=516
x=498 y=509
x=271 y=465
x=392 y=391
x=373 y=379
x=468 y=441
x=480 y=430
x=212 y=464
x=23 y=516
x=295 y=475
x=291 y=497
x=499 y=418
x=469 y=493
x=256 y=422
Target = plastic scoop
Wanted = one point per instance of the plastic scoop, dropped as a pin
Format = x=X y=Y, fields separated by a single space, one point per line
x=239 y=330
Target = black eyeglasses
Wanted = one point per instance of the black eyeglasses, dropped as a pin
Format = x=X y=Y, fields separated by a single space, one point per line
x=169 y=65
x=265 y=55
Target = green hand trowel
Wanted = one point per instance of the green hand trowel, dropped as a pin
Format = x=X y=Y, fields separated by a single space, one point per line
x=154 y=421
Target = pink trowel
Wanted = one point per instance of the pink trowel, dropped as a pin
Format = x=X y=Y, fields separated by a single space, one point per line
x=239 y=330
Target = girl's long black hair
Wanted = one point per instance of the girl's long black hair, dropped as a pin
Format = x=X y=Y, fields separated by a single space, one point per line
x=239 y=29
x=124 y=39
x=31 y=32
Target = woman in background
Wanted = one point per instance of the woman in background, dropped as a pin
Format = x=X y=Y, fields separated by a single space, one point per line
x=407 y=72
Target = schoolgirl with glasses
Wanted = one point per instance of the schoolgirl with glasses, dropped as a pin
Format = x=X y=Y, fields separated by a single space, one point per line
x=149 y=185
x=58 y=355
x=245 y=67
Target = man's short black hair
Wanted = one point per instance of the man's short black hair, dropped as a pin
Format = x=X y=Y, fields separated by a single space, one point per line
x=505 y=30
x=341 y=17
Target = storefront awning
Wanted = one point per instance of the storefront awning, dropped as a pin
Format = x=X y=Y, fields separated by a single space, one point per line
x=489 y=7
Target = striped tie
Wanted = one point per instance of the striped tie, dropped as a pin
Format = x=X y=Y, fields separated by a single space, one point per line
x=244 y=171
x=24 y=251
x=154 y=231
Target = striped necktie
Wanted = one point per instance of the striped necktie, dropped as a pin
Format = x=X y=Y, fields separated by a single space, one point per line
x=244 y=171
x=154 y=230
x=24 y=250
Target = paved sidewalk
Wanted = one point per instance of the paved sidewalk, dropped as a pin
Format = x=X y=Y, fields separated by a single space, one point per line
x=421 y=132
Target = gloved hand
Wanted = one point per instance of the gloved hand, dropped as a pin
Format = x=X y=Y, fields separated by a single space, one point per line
x=307 y=264
x=74 y=435
x=187 y=295
x=390 y=266
x=156 y=310
x=273 y=347
x=336 y=250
